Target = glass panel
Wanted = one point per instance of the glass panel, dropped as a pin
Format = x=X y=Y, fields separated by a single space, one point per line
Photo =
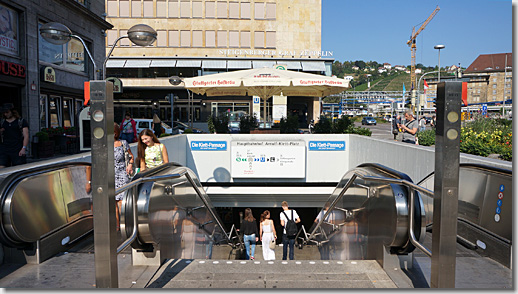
x=173 y=8
x=185 y=38
x=197 y=38
x=233 y=10
x=125 y=41
x=161 y=9
x=76 y=55
x=174 y=38
x=136 y=8
x=222 y=38
x=43 y=111
x=270 y=39
x=197 y=9
x=185 y=9
x=148 y=8
x=222 y=9
x=259 y=39
x=210 y=39
x=259 y=10
x=113 y=6
x=270 y=10
x=124 y=10
x=245 y=39
x=54 y=111
x=111 y=36
x=210 y=9
x=245 y=10
x=161 y=38
x=49 y=52
x=68 y=116
x=234 y=39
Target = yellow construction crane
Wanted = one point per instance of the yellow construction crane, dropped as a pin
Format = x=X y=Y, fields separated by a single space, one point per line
x=413 y=47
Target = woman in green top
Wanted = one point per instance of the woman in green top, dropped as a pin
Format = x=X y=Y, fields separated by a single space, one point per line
x=151 y=152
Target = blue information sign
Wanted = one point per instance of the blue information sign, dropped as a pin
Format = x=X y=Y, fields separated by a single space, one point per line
x=502 y=187
x=326 y=145
x=499 y=203
x=209 y=145
x=498 y=210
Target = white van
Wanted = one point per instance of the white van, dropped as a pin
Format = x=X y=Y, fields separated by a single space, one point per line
x=147 y=123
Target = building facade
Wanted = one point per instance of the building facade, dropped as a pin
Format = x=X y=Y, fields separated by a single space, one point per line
x=200 y=37
x=42 y=80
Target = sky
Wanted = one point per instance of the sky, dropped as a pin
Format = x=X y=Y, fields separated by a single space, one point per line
x=377 y=30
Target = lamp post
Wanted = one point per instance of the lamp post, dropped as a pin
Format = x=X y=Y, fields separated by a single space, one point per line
x=175 y=81
x=419 y=89
x=439 y=47
x=140 y=34
x=59 y=34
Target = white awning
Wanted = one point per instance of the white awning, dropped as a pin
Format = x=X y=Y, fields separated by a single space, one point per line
x=239 y=64
x=115 y=63
x=292 y=65
x=214 y=64
x=137 y=63
x=263 y=63
x=313 y=66
x=188 y=63
x=163 y=63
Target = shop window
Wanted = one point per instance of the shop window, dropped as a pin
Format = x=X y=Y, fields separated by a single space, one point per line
x=197 y=38
x=233 y=10
x=148 y=8
x=124 y=8
x=161 y=39
x=185 y=38
x=185 y=9
x=43 y=111
x=222 y=39
x=210 y=39
x=245 y=39
x=245 y=10
x=197 y=9
x=259 y=39
x=136 y=8
x=233 y=39
x=222 y=9
x=173 y=9
x=259 y=10
x=161 y=8
x=113 y=6
x=270 y=40
x=54 y=111
x=270 y=10
x=68 y=114
x=210 y=9
x=174 y=39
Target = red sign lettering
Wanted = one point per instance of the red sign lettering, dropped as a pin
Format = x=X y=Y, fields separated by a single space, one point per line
x=12 y=69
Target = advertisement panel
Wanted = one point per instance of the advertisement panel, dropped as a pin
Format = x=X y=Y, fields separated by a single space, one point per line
x=8 y=30
x=268 y=159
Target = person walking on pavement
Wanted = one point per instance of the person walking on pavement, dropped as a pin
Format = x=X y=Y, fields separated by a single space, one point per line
x=268 y=234
x=157 y=126
x=288 y=240
x=128 y=129
x=409 y=128
x=250 y=234
x=14 y=137
x=422 y=124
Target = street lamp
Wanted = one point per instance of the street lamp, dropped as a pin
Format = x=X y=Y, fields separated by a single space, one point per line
x=59 y=34
x=439 y=47
x=140 y=35
x=175 y=81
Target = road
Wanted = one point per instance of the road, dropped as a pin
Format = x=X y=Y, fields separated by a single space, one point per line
x=380 y=130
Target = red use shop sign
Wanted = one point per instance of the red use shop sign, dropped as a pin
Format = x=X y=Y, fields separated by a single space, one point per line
x=12 y=69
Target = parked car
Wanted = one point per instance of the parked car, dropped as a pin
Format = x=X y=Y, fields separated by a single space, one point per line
x=368 y=120
x=233 y=127
x=147 y=123
x=180 y=127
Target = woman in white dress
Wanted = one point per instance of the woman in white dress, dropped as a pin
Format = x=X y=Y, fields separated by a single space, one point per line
x=267 y=233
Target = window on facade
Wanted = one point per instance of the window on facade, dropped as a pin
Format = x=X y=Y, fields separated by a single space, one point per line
x=494 y=86
x=111 y=36
x=245 y=39
x=185 y=9
x=222 y=39
x=233 y=37
x=233 y=10
x=259 y=39
x=245 y=10
x=494 y=80
x=494 y=91
x=174 y=39
x=210 y=9
x=124 y=8
x=136 y=8
x=197 y=9
x=210 y=39
x=125 y=41
x=75 y=53
x=197 y=38
x=161 y=38
x=222 y=9
x=43 y=111
x=68 y=113
x=161 y=8
x=185 y=38
x=173 y=8
x=148 y=8
x=270 y=10
x=270 y=40
x=112 y=8
x=259 y=10
x=70 y=55
x=54 y=111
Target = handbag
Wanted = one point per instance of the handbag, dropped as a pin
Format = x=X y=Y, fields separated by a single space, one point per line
x=272 y=244
x=127 y=157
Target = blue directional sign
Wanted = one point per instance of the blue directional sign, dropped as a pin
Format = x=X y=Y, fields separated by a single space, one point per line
x=209 y=145
x=484 y=109
x=326 y=145
x=499 y=203
x=502 y=187
x=498 y=210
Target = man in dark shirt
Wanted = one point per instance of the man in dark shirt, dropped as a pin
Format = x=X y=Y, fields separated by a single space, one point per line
x=14 y=137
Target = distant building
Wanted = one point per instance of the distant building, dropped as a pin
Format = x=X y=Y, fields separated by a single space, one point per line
x=418 y=70
x=382 y=69
x=453 y=68
x=355 y=67
x=387 y=65
x=400 y=67
x=348 y=78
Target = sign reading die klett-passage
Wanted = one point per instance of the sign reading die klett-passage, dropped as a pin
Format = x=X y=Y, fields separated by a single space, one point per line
x=326 y=145
x=208 y=145
x=268 y=159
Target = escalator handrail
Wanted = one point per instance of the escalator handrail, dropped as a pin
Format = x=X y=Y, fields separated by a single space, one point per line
x=183 y=172
x=483 y=167
x=404 y=182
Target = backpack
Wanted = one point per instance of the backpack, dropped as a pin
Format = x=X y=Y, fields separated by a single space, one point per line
x=291 y=226
x=20 y=123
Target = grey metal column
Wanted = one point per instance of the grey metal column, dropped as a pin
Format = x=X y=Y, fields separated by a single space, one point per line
x=103 y=184
x=446 y=185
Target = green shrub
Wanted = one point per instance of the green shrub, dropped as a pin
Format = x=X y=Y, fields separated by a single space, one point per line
x=289 y=125
x=342 y=125
x=426 y=138
x=188 y=131
x=360 y=131
x=220 y=124
x=247 y=123
x=42 y=136
x=475 y=147
x=323 y=126
x=210 y=124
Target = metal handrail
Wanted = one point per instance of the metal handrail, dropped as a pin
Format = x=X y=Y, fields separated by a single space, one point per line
x=135 y=183
x=406 y=183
